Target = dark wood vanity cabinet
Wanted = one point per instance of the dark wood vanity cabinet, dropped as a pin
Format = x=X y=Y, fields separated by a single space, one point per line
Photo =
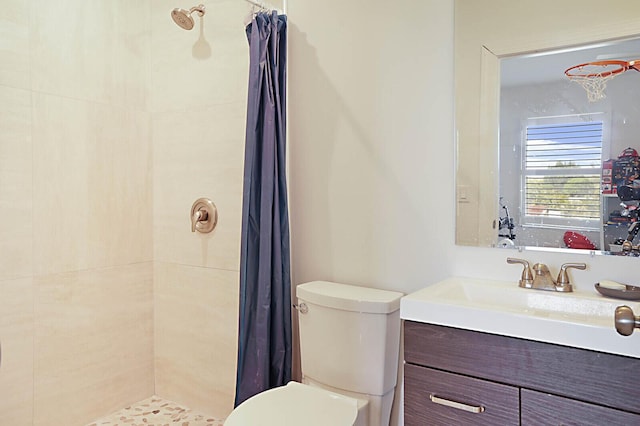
x=462 y=377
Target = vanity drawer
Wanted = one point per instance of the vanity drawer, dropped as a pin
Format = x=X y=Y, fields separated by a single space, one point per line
x=560 y=370
x=500 y=403
x=543 y=409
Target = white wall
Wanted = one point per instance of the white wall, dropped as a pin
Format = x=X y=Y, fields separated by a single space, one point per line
x=372 y=149
x=371 y=143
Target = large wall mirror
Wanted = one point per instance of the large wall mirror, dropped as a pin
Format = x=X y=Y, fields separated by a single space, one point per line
x=531 y=145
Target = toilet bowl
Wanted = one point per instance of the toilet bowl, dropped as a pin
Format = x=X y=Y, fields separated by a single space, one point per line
x=296 y=404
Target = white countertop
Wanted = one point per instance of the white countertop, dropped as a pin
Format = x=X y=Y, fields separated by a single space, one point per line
x=578 y=319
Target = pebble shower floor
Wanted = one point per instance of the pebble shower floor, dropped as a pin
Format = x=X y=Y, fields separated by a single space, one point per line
x=156 y=411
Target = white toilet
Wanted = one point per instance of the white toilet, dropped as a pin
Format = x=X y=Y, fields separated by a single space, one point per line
x=349 y=346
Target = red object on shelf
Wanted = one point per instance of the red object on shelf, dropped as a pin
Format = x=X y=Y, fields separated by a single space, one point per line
x=574 y=240
x=629 y=152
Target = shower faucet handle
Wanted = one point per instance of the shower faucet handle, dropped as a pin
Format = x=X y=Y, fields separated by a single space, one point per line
x=204 y=215
x=200 y=216
x=526 y=280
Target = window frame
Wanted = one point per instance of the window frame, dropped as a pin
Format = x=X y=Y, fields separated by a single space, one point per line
x=573 y=223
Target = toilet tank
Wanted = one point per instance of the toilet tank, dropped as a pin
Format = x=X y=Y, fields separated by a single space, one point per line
x=349 y=336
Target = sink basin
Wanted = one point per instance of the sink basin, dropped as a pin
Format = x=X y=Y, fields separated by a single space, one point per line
x=577 y=319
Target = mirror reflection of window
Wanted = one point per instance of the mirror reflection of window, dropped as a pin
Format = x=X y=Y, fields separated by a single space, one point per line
x=500 y=50
x=561 y=172
x=554 y=140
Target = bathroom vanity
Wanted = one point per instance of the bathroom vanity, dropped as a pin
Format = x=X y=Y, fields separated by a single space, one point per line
x=469 y=360
x=513 y=381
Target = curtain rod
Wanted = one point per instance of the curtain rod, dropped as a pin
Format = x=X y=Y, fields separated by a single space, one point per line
x=264 y=6
x=255 y=3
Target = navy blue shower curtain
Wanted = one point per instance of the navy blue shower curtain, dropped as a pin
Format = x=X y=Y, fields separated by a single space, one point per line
x=264 y=340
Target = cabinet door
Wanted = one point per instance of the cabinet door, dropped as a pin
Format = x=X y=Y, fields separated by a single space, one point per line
x=435 y=398
x=544 y=409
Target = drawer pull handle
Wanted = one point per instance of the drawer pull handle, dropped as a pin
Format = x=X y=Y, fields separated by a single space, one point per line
x=457 y=405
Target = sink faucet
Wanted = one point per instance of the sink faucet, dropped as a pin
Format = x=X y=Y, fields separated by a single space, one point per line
x=541 y=279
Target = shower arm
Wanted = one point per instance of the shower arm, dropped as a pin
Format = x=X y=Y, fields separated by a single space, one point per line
x=199 y=8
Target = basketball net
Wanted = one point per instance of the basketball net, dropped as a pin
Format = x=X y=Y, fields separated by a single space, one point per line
x=594 y=85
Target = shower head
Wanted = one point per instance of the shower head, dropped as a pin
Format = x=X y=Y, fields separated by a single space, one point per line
x=183 y=17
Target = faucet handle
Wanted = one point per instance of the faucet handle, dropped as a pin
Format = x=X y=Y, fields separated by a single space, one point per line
x=200 y=216
x=563 y=278
x=204 y=215
x=526 y=280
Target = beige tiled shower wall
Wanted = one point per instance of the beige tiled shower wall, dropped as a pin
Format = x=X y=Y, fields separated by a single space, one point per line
x=198 y=104
x=93 y=340
x=76 y=219
x=113 y=120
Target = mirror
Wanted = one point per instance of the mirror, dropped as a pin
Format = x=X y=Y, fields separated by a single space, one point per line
x=518 y=187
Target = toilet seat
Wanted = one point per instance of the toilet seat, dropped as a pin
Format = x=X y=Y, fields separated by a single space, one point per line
x=293 y=405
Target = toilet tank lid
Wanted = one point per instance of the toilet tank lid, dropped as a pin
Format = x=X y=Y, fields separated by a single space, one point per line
x=349 y=297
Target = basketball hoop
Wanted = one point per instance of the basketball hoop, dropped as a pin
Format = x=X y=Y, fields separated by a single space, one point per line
x=593 y=76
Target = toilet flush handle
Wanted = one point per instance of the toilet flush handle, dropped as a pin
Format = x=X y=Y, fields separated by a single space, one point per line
x=302 y=308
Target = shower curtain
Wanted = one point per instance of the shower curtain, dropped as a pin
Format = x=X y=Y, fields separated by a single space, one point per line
x=264 y=340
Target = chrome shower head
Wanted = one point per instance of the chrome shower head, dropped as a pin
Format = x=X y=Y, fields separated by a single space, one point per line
x=183 y=17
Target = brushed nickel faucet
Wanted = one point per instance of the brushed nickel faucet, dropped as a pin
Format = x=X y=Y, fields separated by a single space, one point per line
x=204 y=215
x=526 y=281
x=541 y=278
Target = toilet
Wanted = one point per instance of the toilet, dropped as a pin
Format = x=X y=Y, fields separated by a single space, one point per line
x=349 y=346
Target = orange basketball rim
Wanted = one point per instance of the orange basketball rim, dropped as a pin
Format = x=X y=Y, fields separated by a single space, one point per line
x=593 y=76
x=602 y=68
